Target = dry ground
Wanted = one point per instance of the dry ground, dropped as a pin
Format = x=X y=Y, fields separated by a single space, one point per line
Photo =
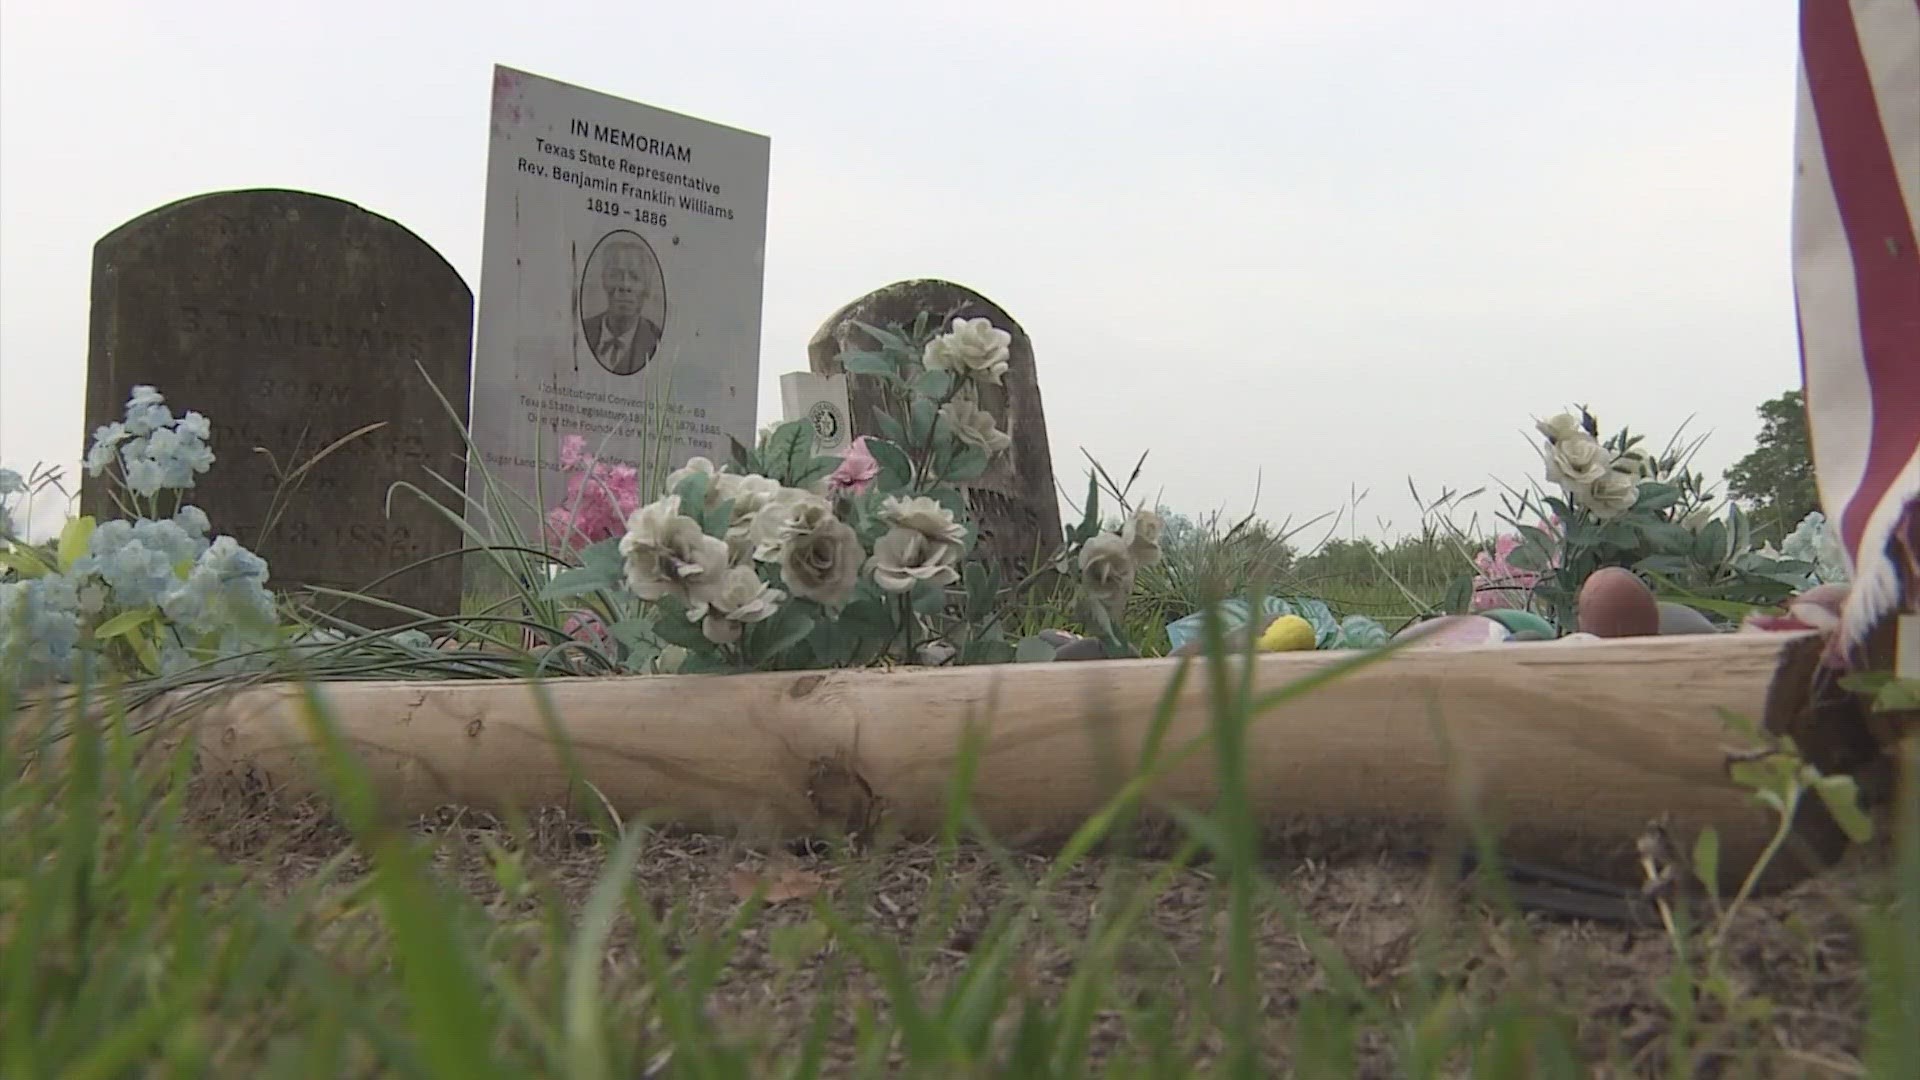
x=1390 y=921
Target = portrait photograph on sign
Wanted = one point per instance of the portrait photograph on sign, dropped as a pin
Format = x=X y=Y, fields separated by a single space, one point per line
x=623 y=302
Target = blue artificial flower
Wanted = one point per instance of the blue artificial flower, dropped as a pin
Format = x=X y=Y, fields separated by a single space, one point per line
x=145 y=411
x=225 y=591
x=39 y=627
x=137 y=559
x=193 y=521
x=170 y=537
x=106 y=447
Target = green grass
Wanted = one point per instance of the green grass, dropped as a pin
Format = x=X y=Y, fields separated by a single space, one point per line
x=130 y=947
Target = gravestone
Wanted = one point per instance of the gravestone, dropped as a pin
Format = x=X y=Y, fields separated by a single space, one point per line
x=820 y=402
x=291 y=319
x=1014 y=502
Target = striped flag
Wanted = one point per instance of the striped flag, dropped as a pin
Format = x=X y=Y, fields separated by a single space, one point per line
x=1856 y=274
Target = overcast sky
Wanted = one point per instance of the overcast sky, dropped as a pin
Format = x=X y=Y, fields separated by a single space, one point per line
x=1331 y=245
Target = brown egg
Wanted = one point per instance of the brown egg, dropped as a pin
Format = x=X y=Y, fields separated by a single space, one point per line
x=1616 y=604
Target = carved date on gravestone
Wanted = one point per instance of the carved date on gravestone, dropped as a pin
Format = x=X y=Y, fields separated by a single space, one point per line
x=291 y=320
x=1014 y=501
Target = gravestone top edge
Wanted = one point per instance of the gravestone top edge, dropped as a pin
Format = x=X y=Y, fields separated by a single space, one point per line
x=833 y=322
x=262 y=196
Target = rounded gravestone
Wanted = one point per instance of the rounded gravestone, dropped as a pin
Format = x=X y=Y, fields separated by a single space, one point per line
x=1014 y=502
x=292 y=320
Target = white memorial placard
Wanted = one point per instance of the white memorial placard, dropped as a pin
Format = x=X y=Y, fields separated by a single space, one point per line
x=819 y=401
x=620 y=284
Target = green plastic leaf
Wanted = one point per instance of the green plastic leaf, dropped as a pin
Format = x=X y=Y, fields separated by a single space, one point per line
x=890 y=428
x=716 y=520
x=986 y=651
x=1842 y=797
x=693 y=494
x=896 y=471
x=815 y=471
x=981 y=586
x=869 y=363
x=636 y=633
x=1706 y=860
x=922 y=415
x=604 y=555
x=21 y=562
x=674 y=628
x=126 y=622
x=888 y=339
x=744 y=459
x=936 y=384
x=1710 y=543
x=868 y=616
x=580 y=580
x=929 y=599
x=786 y=628
x=789 y=451
x=73 y=540
x=1090 y=516
x=1033 y=650
x=1655 y=496
x=969 y=464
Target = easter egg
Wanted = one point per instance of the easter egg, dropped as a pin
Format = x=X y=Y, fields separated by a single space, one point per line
x=1288 y=633
x=1615 y=604
x=1454 y=631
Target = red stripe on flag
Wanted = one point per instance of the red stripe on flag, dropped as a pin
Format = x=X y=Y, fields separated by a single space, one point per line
x=1881 y=242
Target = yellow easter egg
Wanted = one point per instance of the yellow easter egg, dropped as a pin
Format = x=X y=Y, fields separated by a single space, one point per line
x=1288 y=633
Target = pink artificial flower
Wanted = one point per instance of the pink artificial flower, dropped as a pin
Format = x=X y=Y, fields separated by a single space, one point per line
x=599 y=498
x=857 y=469
x=586 y=626
x=1500 y=584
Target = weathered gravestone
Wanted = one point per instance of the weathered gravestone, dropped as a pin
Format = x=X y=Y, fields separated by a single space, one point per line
x=290 y=320
x=1014 y=501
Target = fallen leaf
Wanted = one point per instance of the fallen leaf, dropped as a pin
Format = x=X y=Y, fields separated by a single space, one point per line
x=782 y=884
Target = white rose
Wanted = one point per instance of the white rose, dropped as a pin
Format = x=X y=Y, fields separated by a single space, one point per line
x=1610 y=496
x=902 y=558
x=1107 y=572
x=740 y=598
x=974 y=347
x=1142 y=535
x=924 y=515
x=1561 y=426
x=693 y=465
x=1635 y=462
x=974 y=426
x=787 y=507
x=820 y=560
x=667 y=553
x=1577 y=462
x=750 y=495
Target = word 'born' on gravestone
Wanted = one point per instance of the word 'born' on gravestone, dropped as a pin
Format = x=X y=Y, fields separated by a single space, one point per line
x=1014 y=501
x=291 y=320
x=620 y=287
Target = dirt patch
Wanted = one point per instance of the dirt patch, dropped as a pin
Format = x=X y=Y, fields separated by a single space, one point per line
x=1407 y=936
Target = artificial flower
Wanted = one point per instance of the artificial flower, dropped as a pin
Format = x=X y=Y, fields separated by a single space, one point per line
x=1107 y=572
x=857 y=469
x=820 y=559
x=974 y=348
x=740 y=597
x=974 y=426
x=667 y=553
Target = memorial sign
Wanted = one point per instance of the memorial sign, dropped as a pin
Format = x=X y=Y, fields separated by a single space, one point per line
x=620 y=285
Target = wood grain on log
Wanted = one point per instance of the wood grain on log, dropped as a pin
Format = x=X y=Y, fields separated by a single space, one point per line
x=1570 y=749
